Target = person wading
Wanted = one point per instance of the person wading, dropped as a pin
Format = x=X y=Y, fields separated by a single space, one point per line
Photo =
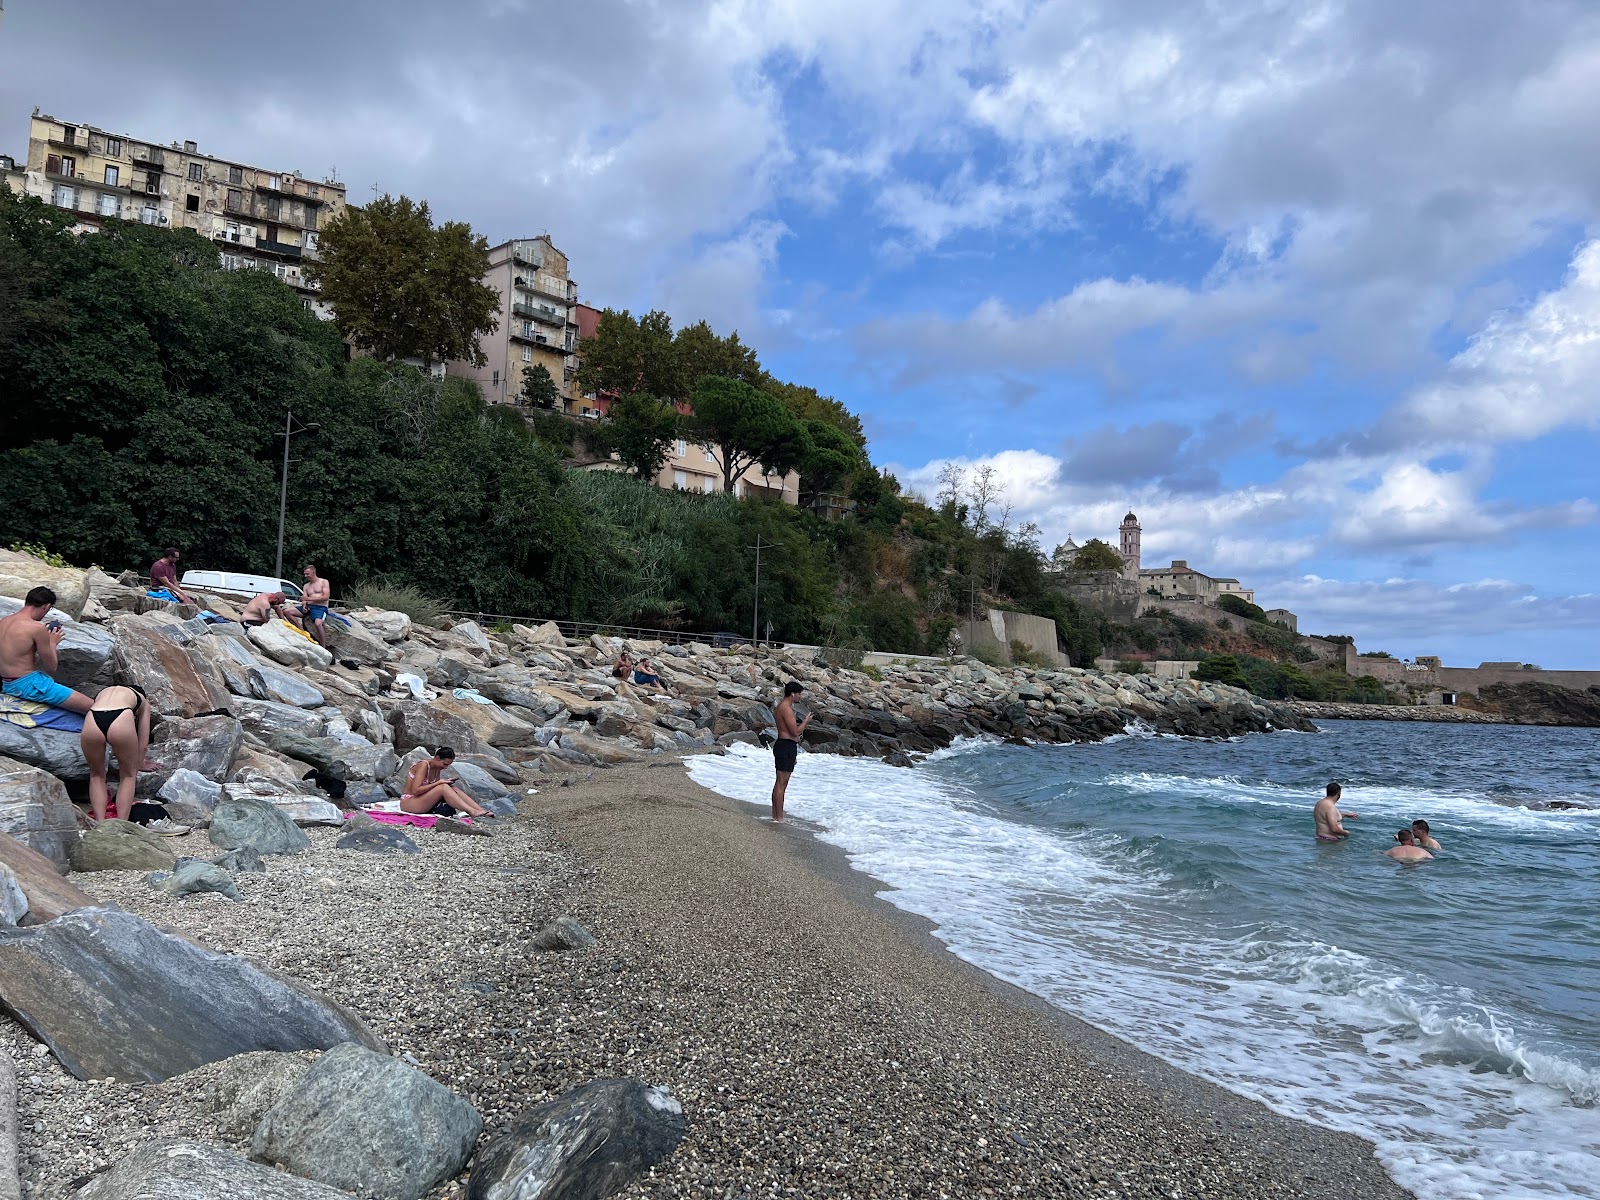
x=787 y=748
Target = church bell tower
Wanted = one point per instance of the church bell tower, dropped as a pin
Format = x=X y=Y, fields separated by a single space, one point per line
x=1130 y=546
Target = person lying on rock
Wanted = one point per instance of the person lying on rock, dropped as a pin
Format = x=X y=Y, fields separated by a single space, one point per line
x=28 y=655
x=259 y=611
x=426 y=792
x=120 y=718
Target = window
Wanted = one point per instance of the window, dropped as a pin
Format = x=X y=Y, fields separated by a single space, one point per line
x=680 y=480
x=149 y=214
x=313 y=191
x=196 y=172
x=230 y=262
x=69 y=134
x=274 y=208
x=191 y=203
x=527 y=354
x=64 y=196
x=112 y=174
x=311 y=217
x=271 y=183
x=311 y=243
x=496 y=382
x=235 y=200
x=527 y=329
x=108 y=205
x=235 y=174
x=231 y=231
x=113 y=147
x=69 y=166
x=681 y=447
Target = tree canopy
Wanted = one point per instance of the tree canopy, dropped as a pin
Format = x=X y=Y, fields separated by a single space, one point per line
x=1096 y=555
x=641 y=432
x=539 y=388
x=742 y=426
x=402 y=287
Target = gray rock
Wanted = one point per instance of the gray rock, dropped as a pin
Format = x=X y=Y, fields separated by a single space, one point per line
x=176 y=1170
x=418 y=724
x=51 y=750
x=370 y=1124
x=564 y=933
x=207 y=746
x=160 y=666
x=364 y=795
x=472 y=633
x=349 y=640
x=281 y=687
x=194 y=877
x=390 y=626
x=243 y=820
x=475 y=781
x=246 y=1087
x=245 y=860
x=283 y=645
x=457 y=826
x=48 y=892
x=378 y=839
x=121 y=846
x=113 y=995
x=585 y=1145
x=13 y=900
x=267 y=719
x=189 y=797
x=35 y=810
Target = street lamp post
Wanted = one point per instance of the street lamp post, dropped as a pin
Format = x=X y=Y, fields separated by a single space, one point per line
x=289 y=431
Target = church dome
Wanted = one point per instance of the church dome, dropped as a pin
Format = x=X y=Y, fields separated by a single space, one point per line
x=1130 y=519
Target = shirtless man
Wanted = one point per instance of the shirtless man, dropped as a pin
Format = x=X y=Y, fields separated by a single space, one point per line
x=1328 y=818
x=314 y=603
x=427 y=793
x=787 y=748
x=1421 y=836
x=259 y=611
x=28 y=655
x=1407 y=850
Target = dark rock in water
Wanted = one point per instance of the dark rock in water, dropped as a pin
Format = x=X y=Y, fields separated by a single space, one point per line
x=194 y=877
x=169 y=1170
x=564 y=933
x=585 y=1145
x=243 y=821
x=122 y=846
x=243 y=860
x=111 y=994
x=1543 y=703
x=378 y=839
x=369 y=1124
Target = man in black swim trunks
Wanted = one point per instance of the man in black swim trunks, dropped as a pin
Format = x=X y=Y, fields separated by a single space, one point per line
x=787 y=747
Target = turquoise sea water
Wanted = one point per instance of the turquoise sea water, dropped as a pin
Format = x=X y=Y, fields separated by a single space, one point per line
x=1170 y=891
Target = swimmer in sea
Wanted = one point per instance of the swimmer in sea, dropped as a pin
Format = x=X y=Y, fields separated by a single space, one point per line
x=1407 y=850
x=1328 y=819
x=1420 y=835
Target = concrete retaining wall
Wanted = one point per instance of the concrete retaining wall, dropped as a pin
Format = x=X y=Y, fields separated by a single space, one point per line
x=992 y=637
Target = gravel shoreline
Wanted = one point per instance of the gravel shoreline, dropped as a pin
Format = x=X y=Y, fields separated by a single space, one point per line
x=821 y=1041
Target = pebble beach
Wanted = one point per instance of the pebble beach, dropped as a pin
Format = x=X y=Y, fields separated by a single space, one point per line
x=820 y=1041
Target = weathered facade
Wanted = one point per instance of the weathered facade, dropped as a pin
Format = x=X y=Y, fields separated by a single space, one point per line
x=537 y=325
x=260 y=219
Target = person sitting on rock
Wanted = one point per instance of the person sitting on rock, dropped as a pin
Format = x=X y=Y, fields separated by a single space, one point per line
x=259 y=611
x=164 y=576
x=120 y=719
x=645 y=675
x=623 y=667
x=313 y=612
x=28 y=655
x=427 y=793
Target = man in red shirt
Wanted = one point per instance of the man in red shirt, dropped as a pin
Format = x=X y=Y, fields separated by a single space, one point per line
x=164 y=574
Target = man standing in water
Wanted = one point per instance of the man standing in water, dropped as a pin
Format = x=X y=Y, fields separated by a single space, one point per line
x=1422 y=837
x=1328 y=819
x=1407 y=850
x=787 y=747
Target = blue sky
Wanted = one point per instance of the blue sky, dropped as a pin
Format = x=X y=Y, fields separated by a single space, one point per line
x=1313 y=287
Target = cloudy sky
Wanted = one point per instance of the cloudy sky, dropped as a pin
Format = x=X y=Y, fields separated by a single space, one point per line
x=1314 y=287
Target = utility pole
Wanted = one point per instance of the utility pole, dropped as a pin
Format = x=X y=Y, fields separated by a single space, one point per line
x=283 y=491
x=755 y=618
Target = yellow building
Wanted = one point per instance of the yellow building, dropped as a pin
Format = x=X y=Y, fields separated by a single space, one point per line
x=260 y=219
x=537 y=323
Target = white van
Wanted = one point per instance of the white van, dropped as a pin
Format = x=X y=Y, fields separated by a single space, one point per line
x=234 y=583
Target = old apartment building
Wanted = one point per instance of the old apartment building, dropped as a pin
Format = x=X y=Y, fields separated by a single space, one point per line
x=260 y=219
x=538 y=323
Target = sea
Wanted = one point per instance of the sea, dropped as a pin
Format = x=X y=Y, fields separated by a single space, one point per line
x=1169 y=891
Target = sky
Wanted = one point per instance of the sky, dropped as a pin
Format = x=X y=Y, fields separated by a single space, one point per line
x=1312 y=287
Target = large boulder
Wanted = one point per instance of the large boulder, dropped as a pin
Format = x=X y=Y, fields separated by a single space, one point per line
x=471 y=635
x=194 y=877
x=35 y=810
x=493 y=725
x=282 y=687
x=47 y=893
x=283 y=645
x=390 y=626
x=57 y=751
x=548 y=634
x=230 y=657
x=243 y=820
x=121 y=846
x=369 y=1124
x=598 y=749
x=585 y=1145
x=418 y=724
x=349 y=639
x=161 y=667
x=475 y=781
x=358 y=758
x=111 y=994
x=83 y=656
x=189 y=797
x=268 y=720
x=245 y=1087
x=20 y=573
x=177 y=1170
x=208 y=746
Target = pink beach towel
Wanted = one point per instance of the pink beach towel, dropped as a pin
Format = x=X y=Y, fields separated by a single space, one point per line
x=420 y=820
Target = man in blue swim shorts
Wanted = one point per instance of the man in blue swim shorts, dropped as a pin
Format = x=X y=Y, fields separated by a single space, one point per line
x=314 y=604
x=28 y=655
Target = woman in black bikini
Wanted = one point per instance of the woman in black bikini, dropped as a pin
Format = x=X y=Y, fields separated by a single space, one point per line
x=120 y=718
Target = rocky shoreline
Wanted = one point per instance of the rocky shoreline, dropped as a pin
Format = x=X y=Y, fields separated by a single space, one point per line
x=1322 y=710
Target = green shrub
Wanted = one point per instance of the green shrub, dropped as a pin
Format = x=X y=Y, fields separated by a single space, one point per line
x=1221 y=668
x=1240 y=607
x=54 y=560
x=1131 y=666
x=391 y=597
x=1023 y=655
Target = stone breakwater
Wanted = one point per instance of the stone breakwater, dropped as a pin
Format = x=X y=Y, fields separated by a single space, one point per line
x=1322 y=710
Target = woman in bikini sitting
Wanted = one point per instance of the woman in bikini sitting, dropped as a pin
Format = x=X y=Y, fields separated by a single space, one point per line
x=427 y=793
x=120 y=718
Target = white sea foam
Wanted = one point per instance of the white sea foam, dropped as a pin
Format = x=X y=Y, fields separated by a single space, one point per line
x=1310 y=1029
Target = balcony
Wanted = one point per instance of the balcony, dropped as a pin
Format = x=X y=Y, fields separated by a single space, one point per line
x=76 y=141
x=149 y=156
x=540 y=312
x=282 y=249
x=545 y=285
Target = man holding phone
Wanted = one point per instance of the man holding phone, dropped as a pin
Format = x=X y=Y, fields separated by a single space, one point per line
x=787 y=747
x=28 y=655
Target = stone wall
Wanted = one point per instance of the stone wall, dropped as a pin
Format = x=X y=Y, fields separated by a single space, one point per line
x=1161 y=668
x=992 y=636
x=1425 y=673
x=1108 y=591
